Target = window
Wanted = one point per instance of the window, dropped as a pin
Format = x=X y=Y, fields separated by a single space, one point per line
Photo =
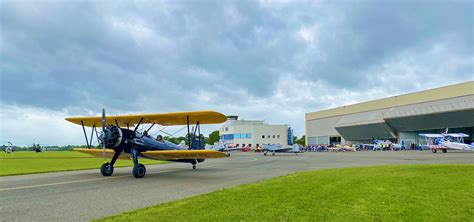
x=273 y=136
x=263 y=136
x=250 y=145
x=226 y=129
x=278 y=136
x=242 y=135
x=268 y=137
x=227 y=137
x=335 y=140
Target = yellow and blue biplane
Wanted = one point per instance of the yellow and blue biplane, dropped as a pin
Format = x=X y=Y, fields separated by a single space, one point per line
x=120 y=138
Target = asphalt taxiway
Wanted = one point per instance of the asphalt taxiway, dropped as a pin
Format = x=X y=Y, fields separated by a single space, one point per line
x=86 y=194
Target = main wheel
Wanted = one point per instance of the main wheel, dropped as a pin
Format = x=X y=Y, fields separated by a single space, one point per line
x=434 y=150
x=194 y=166
x=445 y=150
x=265 y=153
x=106 y=169
x=139 y=171
x=273 y=154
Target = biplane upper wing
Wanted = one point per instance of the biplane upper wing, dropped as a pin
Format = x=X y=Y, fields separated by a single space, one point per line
x=429 y=135
x=159 y=154
x=164 y=119
x=457 y=135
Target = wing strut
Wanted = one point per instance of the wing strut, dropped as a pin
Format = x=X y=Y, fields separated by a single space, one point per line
x=188 y=136
x=146 y=131
x=199 y=134
x=92 y=133
x=136 y=127
x=85 y=135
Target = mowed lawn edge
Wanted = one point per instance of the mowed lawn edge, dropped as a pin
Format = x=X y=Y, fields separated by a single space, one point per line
x=24 y=162
x=431 y=192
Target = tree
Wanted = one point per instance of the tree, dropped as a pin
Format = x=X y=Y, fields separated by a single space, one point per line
x=213 y=137
x=300 y=141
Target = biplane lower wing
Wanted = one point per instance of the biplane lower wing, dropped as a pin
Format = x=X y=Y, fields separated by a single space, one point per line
x=99 y=153
x=159 y=154
x=182 y=154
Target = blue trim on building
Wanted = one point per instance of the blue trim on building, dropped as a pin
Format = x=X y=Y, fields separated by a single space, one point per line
x=290 y=136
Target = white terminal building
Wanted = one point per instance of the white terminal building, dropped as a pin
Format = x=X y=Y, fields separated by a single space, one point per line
x=254 y=133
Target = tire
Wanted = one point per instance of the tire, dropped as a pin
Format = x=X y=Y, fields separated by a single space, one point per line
x=434 y=150
x=265 y=153
x=273 y=154
x=445 y=150
x=106 y=169
x=139 y=171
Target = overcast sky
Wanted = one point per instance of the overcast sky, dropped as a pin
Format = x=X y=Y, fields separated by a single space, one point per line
x=270 y=60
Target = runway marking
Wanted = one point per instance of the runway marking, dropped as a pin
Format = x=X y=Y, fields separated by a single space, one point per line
x=104 y=178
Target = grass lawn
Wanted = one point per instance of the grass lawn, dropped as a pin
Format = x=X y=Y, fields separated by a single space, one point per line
x=382 y=193
x=25 y=162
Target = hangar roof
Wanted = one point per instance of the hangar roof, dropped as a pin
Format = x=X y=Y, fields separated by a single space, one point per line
x=446 y=92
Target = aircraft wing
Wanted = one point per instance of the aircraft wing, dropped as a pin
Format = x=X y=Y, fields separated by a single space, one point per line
x=457 y=135
x=431 y=135
x=159 y=154
x=164 y=119
x=99 y=153
x=183 y=154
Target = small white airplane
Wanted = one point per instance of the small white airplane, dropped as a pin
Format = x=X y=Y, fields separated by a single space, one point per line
x=379 y=144
x=9 y=148
x=277 y=148
x=223 y=148
x=445 y=141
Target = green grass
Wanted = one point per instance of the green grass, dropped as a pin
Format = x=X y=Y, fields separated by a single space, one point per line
x=382 y=193
x=31 y=162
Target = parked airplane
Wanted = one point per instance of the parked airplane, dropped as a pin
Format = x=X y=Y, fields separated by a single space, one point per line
x=277 y=148
x=223 y=148
x=379 y=144
x=341 y=148
x=119 y=141
x=447 y=141
x=9 y=148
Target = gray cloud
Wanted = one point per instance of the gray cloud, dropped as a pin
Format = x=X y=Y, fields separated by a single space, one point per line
x=238 y=57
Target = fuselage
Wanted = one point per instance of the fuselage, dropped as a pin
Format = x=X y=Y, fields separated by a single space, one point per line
x=456 y=145
x=132 y=140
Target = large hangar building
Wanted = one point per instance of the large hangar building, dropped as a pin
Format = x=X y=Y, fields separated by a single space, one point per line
x=398 y=118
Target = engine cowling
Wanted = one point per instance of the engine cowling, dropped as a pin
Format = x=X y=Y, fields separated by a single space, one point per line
x=112 y=136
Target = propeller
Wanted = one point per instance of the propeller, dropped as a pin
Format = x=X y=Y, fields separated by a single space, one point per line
x=103 y=131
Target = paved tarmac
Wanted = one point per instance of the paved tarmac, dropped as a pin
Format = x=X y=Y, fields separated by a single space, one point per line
x=86 y=194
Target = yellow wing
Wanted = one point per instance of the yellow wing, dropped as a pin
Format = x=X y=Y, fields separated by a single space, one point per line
x=99 y=153
x=164 y=119
x=183 y=154
x=159 y=154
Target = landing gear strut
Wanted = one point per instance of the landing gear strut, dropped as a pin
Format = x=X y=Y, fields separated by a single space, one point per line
x=139 y=170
